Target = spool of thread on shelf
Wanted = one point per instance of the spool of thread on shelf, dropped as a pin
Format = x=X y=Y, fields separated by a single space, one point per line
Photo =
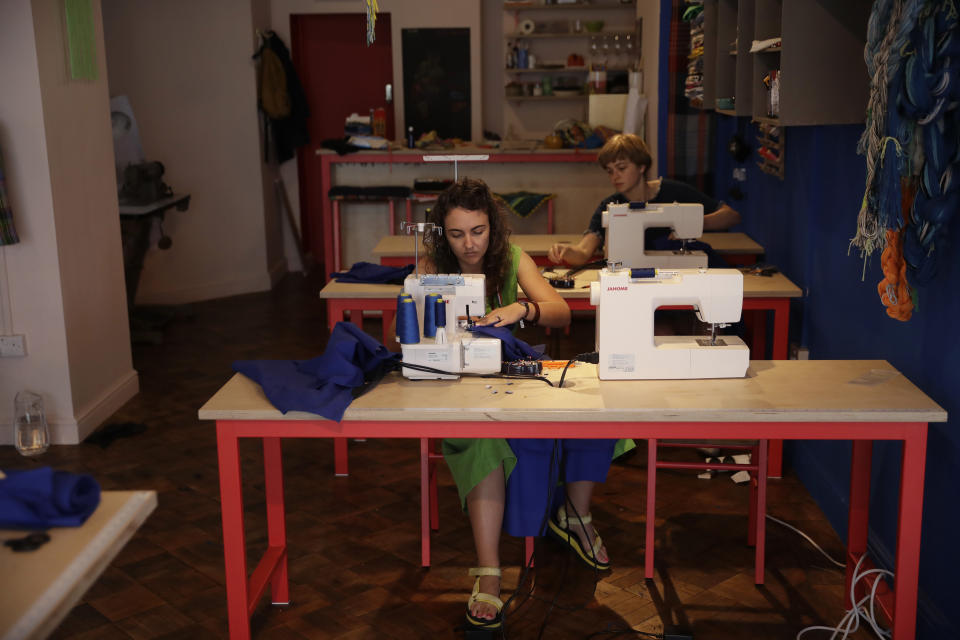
x=430 y=315
x=408 y=329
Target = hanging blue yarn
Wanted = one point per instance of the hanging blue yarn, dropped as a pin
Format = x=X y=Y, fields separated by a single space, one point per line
x=929 y=98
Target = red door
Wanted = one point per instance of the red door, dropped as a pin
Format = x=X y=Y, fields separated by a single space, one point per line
x=340 y=75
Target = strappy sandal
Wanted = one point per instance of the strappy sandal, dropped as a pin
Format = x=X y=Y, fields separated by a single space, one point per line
x=559 y=528
x=486 y=598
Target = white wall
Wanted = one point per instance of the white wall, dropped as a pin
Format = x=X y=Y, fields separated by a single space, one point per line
x=63 y=283
x=186 y=67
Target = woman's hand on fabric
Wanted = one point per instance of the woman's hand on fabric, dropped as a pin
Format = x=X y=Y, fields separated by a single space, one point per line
x=503 y=316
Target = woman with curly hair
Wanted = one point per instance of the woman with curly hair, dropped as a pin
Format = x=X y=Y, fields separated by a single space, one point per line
x=505 y=484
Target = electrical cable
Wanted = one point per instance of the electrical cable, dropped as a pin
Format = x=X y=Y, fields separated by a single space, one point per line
x=808 y=539
x=850 y=622
x=506 y=376
x=592 y=357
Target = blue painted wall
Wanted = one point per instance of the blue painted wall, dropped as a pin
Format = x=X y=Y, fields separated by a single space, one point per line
x=805 y=222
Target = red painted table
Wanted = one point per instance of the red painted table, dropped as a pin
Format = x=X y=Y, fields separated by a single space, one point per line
x=860 y=401
x=760 y=295
x=736 y=248
x=328 y=159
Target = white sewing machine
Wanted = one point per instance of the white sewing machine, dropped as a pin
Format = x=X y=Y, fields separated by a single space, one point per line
x=626 y=300
x=453 y=348
x=627 y=223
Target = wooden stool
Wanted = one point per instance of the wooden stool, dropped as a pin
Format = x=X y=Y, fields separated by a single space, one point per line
x=390 y=195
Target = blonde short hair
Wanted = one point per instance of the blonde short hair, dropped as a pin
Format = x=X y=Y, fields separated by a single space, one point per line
x=626 y=146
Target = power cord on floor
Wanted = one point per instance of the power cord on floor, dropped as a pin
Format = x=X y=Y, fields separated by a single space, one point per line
x=808 y=539
x=850 y=622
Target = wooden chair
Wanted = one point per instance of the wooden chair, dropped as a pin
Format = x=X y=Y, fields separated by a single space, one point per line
x=756 y=531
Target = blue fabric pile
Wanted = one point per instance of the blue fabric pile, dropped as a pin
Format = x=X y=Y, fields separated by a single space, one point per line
x=327 y=384
x=369 y=273
x=42 y=498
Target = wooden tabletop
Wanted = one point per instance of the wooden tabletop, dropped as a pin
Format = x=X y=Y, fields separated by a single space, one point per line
x=45 y=584
x=539 y=244
x=754 y=286
x=773 y=391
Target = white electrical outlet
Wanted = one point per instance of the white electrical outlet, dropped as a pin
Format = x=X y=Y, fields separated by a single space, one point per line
x=12 y=346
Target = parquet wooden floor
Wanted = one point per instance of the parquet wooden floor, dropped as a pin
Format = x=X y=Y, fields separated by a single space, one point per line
x=354 y=542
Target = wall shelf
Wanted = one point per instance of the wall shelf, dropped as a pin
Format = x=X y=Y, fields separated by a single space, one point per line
x=566 y=34
x=819 y=61
x=579 y=96
x=554 y=40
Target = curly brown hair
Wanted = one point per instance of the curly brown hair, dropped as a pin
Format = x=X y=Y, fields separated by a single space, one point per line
x=471 y=194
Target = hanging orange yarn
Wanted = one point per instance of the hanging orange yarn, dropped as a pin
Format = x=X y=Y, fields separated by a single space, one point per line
x=894 y=289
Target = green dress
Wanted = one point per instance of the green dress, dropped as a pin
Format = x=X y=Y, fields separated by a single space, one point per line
x=472 y=459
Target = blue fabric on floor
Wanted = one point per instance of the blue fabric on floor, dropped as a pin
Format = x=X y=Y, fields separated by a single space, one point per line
x=42 y=498
x=534 y=478
x=513 y=347
x=327 y=384
x=369 y=273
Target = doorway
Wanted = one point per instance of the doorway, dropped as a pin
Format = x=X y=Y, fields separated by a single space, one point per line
x=341 y=75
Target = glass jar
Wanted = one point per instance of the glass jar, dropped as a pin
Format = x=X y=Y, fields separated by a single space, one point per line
x=30 y=423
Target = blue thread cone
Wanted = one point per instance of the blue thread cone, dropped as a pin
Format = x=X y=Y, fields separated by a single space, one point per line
x=441 y=314
x=430 y=315
x=408 y=329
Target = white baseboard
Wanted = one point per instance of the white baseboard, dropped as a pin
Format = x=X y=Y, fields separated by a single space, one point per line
x=97 y=412
x=88 y=418
x=208 y=291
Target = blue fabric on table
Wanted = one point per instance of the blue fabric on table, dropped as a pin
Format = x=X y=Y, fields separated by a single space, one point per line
x=370 y=273
x=513 y=347
x=41 y=498
x=534 y=478
x=327 y=384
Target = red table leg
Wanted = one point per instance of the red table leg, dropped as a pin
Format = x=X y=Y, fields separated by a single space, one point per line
x=761 y=524
x=425 y=502
x=651 y=503
x=234 y=539
x=276 y=520
x=859 y=514
x=335 y=232
x=326 y=217
x=908 y=538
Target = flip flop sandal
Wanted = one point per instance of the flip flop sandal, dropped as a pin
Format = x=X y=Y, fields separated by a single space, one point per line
x=486 y=598
x=559 y=528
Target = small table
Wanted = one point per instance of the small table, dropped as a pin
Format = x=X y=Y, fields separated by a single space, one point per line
x=136 y=223
x=735 y=248
x=45 y=584
x=760 y=295
x=858 y=400
x=321 y=235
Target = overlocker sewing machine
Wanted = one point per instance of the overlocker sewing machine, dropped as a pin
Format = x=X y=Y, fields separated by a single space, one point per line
x=435 y=333
x=626 y=300
x=626 y=225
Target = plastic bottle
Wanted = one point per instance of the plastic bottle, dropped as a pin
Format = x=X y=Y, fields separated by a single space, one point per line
x=410 y=137
x=380 y=122
x=32 y=433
